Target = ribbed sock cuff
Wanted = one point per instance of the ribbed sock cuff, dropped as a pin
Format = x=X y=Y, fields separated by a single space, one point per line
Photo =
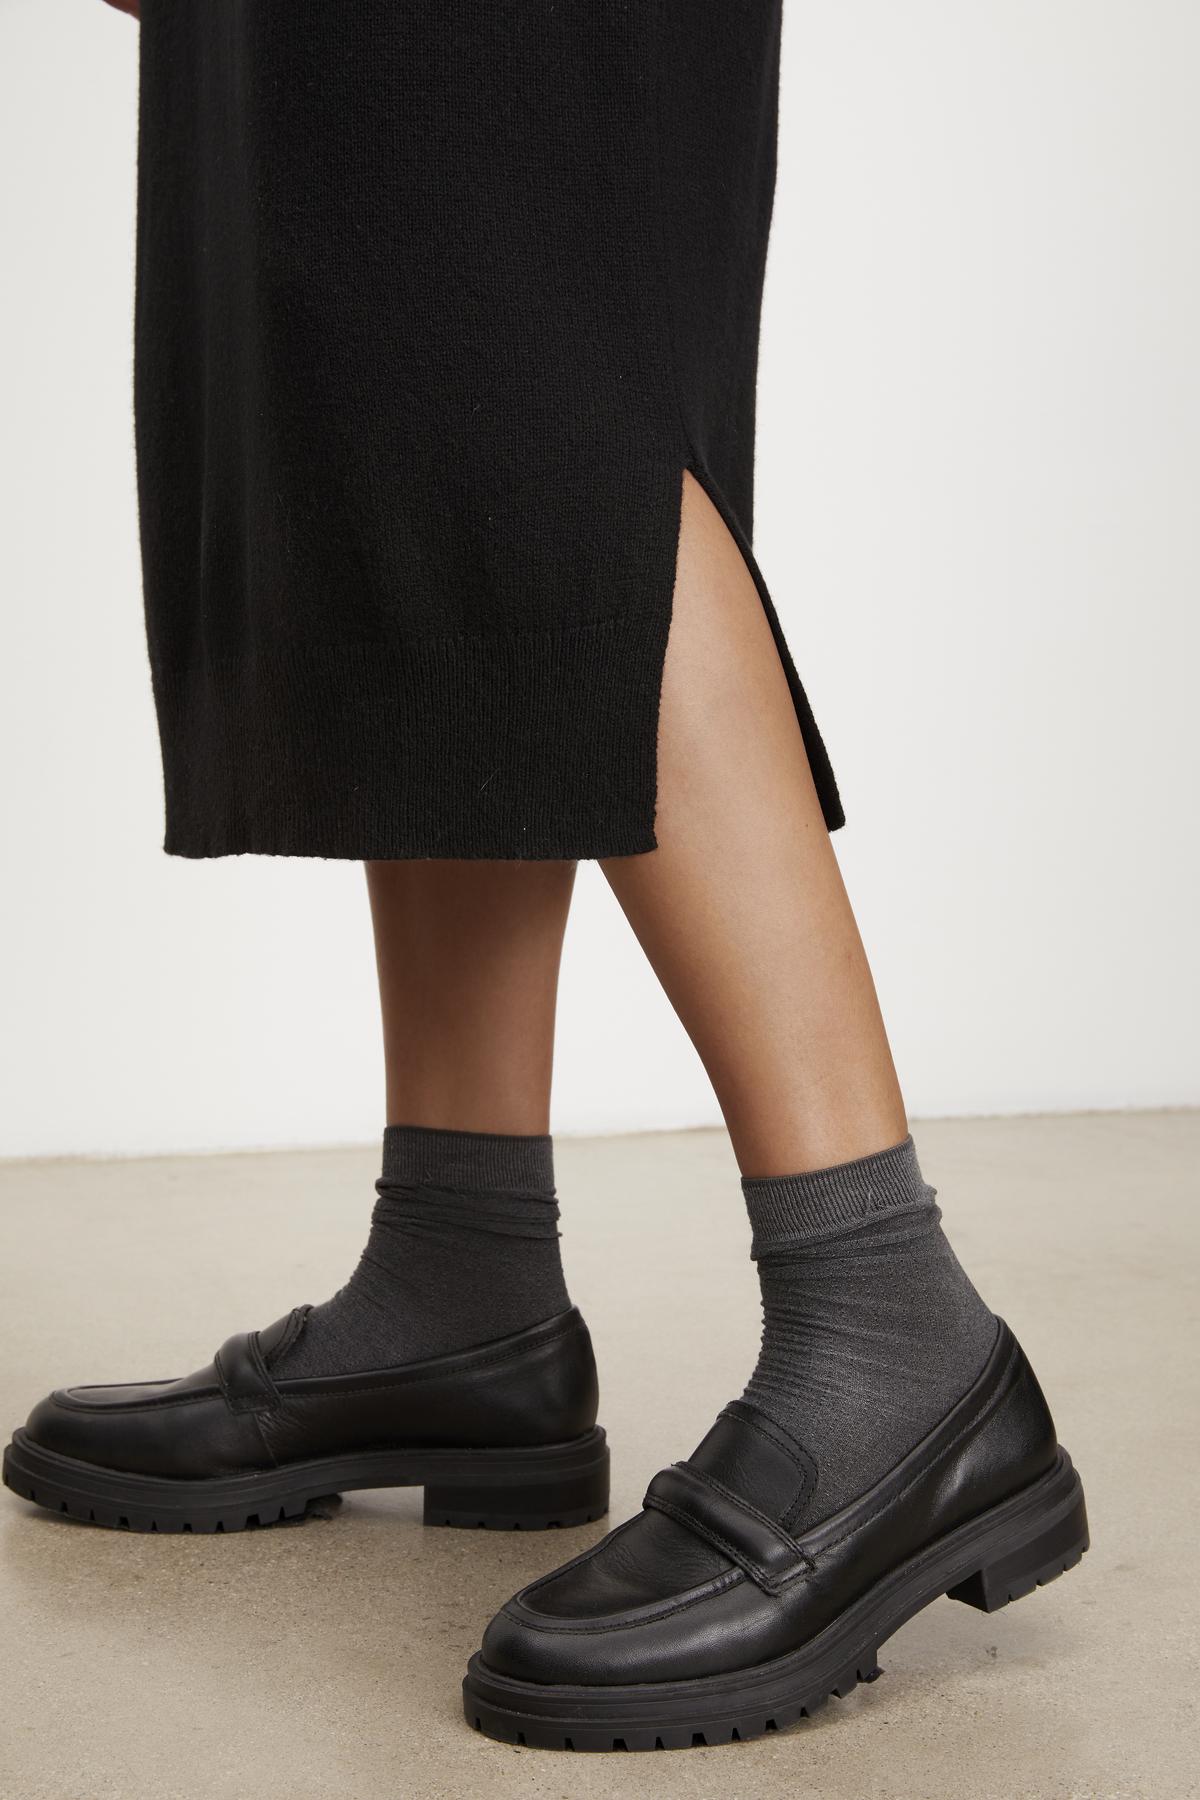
x=790 y=1210
x=417 y=1156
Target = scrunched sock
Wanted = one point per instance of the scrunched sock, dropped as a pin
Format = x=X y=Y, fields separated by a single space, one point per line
x=872 y=1329
x=464 y=1247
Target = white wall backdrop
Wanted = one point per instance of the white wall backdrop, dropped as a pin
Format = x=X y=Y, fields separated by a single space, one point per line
x=979 y=475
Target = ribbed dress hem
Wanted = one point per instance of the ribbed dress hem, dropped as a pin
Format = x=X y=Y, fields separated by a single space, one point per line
x=525 y=745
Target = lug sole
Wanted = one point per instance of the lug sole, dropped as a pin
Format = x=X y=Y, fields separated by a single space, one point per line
x=528 y=1488
x=1006 y=1553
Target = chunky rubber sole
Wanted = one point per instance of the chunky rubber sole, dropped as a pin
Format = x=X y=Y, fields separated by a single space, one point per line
x=1004 y=1554
x=524 y=1489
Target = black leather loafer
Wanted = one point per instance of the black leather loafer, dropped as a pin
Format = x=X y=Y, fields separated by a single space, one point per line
x=502 y=1435
x=706 y=1618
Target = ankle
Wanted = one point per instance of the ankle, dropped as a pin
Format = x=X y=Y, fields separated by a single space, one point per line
x=463 y=1249
x=871 y=1328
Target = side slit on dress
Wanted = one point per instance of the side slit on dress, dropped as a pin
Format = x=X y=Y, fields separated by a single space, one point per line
x=435 y=303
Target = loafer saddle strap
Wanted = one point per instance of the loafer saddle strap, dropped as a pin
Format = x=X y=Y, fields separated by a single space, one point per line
x=243 y=1376
x=760 y=1548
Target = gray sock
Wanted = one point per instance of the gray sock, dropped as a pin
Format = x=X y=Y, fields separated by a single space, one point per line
x=463 y=1248
x=871 y=1328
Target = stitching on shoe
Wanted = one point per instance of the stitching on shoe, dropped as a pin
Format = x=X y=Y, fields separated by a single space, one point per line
x=259 y=1362
x=106 y=1408
x=583 y=1556
x=264 y=1440
x=710 y=1534
x=243 y=1403
x=579 y=1627
x=746 y=1506
x=807 y=1472
x=215 y=1391
x=296 y=1322
x=743 y=1505
x=758 y=1572
x=252 y=1402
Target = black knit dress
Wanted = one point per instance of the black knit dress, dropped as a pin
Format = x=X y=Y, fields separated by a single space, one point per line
x=436 y=300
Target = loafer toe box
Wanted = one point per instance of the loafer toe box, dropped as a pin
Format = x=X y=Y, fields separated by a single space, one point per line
x=706 y=1632
x=168 y=1429
x=77 y=1422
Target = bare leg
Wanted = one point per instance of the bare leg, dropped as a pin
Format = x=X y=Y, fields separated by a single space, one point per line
x=463 y=1245
x=741 y=910
x=870 y=1332
x=468 y=957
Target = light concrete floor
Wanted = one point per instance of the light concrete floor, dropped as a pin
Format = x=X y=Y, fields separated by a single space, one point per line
x=325 y=1660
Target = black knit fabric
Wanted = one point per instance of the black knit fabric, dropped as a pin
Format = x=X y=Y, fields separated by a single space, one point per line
x=435 y=303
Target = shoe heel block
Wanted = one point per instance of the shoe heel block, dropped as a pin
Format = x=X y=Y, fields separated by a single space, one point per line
x=1032 y=1550
x=564 y=1485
